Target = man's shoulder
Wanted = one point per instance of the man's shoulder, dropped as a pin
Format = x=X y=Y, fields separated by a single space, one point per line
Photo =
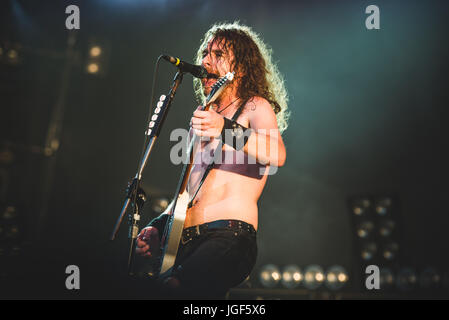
x=259 y=106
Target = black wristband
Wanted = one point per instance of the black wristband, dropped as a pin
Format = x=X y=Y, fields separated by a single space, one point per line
x=234 y=134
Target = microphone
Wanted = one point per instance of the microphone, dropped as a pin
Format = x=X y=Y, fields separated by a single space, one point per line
x=196 y=71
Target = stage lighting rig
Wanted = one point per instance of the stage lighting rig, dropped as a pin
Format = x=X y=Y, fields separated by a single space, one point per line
x=97 y=57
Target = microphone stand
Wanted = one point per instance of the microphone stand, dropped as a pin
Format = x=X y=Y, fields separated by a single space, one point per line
x=135 y=194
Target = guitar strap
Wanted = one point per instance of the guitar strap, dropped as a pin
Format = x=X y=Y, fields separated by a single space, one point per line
x=237 y=113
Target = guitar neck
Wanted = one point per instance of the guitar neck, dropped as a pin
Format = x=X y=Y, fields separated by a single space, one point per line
x=193 y=146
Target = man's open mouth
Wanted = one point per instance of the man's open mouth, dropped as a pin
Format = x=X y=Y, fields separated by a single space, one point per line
x=209 y=81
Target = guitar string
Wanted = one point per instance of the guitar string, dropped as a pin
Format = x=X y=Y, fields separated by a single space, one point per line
x=220 y=111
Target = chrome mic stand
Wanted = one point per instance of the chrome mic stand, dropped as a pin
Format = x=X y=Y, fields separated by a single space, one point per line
x=135 y=194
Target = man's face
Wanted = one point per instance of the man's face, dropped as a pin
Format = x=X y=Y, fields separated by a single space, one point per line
x=217 y=60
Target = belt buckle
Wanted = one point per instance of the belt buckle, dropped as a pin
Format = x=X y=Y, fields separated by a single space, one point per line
x=186 y=235
x=198 y=229
x=185 y=241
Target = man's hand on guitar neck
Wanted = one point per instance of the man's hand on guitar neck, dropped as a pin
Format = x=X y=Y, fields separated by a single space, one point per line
x=148 y=242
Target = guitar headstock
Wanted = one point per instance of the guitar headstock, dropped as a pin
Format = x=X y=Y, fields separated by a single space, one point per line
x=218 y=87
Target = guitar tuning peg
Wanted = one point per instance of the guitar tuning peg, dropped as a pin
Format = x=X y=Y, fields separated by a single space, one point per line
x=162 y=97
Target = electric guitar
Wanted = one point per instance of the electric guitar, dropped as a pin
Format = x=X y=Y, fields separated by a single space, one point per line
x=177 y=214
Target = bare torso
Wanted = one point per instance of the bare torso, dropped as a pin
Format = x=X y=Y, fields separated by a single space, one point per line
x=232 y=188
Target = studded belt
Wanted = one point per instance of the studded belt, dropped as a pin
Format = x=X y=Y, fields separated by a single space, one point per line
x=233 y=225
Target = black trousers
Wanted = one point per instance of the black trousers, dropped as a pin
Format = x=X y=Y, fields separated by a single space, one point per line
x=209 y=264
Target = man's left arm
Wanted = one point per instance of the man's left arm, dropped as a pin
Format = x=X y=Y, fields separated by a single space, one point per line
x=262 y=140
x=265 y=141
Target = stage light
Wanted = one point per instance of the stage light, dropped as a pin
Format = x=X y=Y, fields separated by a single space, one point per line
x=365 y=229
x=95 y=51
x=386 y=227
x=376 y=234
x=336 y=277
x=10 y=53
x=360 y=206
x=12 y=56
x=369 y=250
x=429 y=279
x=291 y=276
x=383 y=206
x=160 y=204
x=386 y=279
x=406 y=279
x=269 y=276
x=93 y=68
x=97 y=57
x=313 y=277
x=390 y=251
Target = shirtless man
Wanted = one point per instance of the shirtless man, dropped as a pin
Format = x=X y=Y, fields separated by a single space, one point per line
x=218 y=247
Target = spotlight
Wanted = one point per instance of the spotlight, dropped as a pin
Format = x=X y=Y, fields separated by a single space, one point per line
x=390 y=251
x=95 y=51
x=386 y=279
x=336 y=277
x=406 y=279
x=383 y=206
x=369 y=250
x=13 y=55
x=291 y=276
x=97 y=57
x=92 y=68
x=386 y=227
x=313 y=277
x=360 y=206
x=160 y=204
x=364 y=229
x=269 y=276
x=10 y=53
x=429 y=279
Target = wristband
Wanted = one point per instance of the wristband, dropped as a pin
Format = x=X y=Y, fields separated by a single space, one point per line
x=234 y=134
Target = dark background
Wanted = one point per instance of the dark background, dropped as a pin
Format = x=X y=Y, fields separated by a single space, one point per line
x=368 y=116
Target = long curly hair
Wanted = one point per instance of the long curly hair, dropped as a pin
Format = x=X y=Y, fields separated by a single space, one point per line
x=253 y=59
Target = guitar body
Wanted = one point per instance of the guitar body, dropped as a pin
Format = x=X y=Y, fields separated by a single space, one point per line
x=175 y=230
